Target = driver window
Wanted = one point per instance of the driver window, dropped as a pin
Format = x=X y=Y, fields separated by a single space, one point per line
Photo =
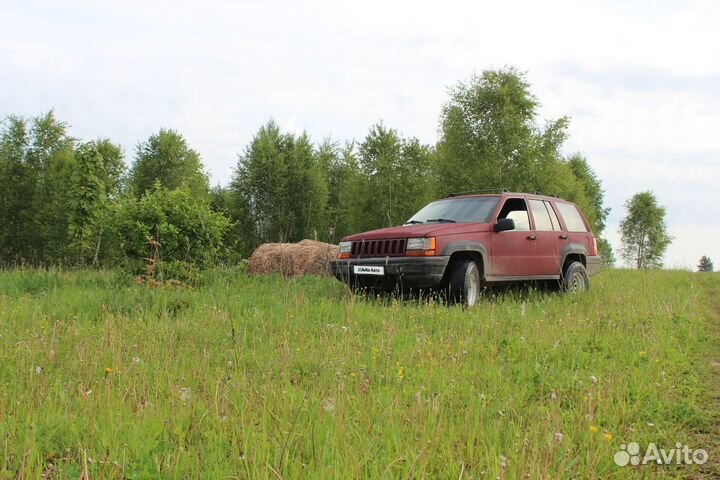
x=516 y=209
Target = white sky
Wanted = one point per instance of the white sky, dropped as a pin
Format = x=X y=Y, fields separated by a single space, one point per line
x=640 y=80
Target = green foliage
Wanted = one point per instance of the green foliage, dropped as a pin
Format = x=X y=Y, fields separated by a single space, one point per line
x=17 y=187
x=606 y=252
x=113 y=171
x=285 y=188
x=166 y=158
x=490 y=139
x=279 y=185
x=53 y=199
x=705 y=265
x=238 y=242
x=394 y=180
x=36 y=165
x=306 y=189
x=88 y=203
x=594 y=194
x=344 y=178
x=644 y=233
x=164 y=227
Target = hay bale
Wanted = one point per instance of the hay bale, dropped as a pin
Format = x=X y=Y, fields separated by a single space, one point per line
x=307 y=257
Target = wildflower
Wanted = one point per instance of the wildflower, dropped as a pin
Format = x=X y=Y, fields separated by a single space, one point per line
x=608 y=436
x=558 y=437
x=400 y=372
x=136 y=359
x=108 y=371
x=593 y=378
x=643 y=353
x=593 y=428
x=297 y=349
x=38 y=370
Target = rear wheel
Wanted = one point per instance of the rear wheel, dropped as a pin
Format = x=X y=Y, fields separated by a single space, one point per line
x=464 y=283
x=575 y=278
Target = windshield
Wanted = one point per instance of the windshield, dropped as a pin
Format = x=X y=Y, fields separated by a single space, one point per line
x=468 y=209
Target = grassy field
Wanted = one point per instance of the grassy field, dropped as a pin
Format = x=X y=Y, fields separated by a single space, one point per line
x=266 y=378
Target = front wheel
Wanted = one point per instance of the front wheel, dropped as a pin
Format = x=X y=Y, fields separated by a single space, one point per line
x=464 y=284
x=575 y=278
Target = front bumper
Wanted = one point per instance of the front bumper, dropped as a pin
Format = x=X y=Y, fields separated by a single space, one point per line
x=403 y=272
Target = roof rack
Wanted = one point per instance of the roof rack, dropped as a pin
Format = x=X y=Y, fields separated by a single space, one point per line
x=545 y=194
x=478 y=192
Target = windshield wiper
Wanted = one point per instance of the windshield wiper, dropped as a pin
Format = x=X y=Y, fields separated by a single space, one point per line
x=441 y=220
x=413 y=222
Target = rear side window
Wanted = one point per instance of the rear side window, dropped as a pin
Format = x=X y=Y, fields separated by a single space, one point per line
x=573 y=219
x=553 y=216
x=543 y=223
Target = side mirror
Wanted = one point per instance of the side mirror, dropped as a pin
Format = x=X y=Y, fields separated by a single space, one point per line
x=504 y=224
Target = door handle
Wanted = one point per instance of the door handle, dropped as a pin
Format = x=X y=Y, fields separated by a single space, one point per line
x=563 y=237
x=532 y=237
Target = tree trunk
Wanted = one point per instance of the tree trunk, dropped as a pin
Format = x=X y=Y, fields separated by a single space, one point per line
x=96 y=261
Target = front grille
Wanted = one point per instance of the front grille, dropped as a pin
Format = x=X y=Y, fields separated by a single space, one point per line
x=378 y=248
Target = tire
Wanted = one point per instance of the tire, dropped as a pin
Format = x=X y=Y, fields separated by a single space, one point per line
x=575 y=278
x=464 y=283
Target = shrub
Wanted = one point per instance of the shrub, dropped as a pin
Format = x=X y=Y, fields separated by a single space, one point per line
x=168 y=227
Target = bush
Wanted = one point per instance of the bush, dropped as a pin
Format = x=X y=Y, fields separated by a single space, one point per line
x=168 y=228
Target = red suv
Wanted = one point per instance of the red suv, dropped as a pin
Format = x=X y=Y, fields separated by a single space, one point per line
x=466 y=240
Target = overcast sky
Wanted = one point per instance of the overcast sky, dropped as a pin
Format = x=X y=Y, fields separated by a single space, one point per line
x=640 y=80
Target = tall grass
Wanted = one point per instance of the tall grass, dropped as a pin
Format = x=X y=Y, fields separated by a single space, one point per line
x=263 y=377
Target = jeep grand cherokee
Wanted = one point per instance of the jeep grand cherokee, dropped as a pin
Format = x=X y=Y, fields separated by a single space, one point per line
x=459 y=243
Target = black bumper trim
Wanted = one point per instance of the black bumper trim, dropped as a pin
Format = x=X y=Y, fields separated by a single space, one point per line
x=593 y=265
x=405 y=272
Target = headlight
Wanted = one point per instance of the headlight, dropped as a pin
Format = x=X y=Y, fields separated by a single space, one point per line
x=419 y=243
x=420 y=246
x=345 y=250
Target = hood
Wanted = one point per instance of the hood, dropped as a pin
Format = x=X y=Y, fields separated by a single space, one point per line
x=412 y=231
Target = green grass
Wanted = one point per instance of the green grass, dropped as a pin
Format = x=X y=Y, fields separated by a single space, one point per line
x=266 y=378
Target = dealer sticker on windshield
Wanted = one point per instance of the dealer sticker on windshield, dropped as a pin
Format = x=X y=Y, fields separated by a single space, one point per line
x=368 y=270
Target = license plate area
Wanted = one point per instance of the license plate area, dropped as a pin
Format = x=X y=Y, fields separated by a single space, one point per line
x=368 y=270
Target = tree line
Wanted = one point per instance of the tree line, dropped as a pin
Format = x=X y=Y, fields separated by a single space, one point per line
x=73 y=203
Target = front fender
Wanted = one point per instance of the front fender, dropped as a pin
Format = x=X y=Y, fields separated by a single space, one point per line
x=468 y=246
